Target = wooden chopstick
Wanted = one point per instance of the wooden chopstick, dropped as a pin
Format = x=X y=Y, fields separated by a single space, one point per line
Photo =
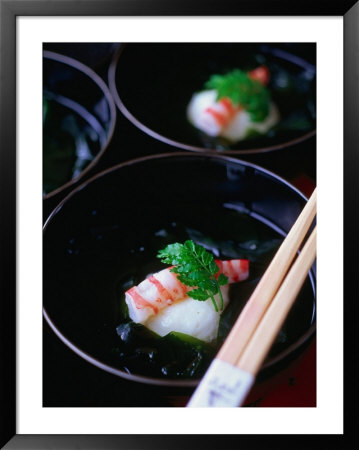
x=272 y=321
x=232 y=372
x=265 y=290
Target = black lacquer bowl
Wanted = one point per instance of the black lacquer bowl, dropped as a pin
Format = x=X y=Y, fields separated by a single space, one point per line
x=104 y=237
x=152 y=85
x=79 y=117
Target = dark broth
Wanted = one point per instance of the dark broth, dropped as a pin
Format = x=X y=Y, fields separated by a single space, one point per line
x=135 y=349
x=105 y=238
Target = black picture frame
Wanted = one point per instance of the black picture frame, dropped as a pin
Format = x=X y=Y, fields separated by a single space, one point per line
x=9 y=10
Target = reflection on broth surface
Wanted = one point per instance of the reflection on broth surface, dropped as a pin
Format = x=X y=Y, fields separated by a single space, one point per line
x=134 y=348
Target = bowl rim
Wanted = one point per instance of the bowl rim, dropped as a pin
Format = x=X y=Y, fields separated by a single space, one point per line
x=112 y=70
x=282 y=356
x=77 y=65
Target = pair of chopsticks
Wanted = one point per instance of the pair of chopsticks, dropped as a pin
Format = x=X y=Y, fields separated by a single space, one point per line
x=231 y=375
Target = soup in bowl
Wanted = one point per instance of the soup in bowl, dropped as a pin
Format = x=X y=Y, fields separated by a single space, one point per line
x=231 y=98
x=102 y=242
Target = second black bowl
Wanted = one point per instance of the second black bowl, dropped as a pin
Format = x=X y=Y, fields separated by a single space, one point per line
x=152 y=85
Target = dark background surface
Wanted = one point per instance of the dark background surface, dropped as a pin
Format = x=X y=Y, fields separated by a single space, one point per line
x=68 y=380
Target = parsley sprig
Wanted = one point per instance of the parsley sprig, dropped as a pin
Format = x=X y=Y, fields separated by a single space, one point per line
x=195 y=267
x=252 y=95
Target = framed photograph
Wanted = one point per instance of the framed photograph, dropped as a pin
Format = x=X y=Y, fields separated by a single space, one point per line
x=114 y=122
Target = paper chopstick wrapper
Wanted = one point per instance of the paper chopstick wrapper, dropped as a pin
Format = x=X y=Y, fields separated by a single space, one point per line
x=223 y=385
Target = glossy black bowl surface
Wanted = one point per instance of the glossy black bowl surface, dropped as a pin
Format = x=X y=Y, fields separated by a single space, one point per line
x=109 y=228
x=79 y=118
x=152 y=85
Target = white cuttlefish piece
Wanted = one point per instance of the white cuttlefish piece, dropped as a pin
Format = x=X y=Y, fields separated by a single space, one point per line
x=161 y=303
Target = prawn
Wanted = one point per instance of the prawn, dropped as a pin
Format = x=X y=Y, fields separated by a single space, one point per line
x=162 y=289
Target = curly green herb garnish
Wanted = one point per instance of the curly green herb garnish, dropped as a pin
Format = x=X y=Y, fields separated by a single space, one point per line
x=252 y=95
x=195 y=267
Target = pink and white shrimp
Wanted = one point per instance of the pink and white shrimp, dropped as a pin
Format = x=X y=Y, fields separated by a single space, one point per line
x=163 y=288
x=218 y=115
x=210 y=115
x=222 y=117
